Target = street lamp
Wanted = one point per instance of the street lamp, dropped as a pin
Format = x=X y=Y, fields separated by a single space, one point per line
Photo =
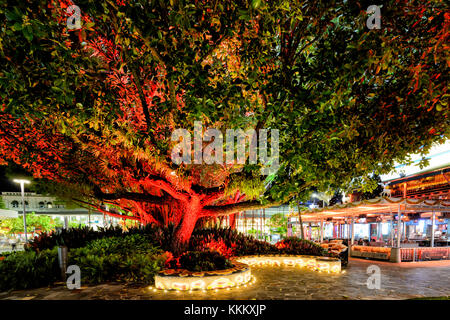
x=22 y=189
x=315 y=195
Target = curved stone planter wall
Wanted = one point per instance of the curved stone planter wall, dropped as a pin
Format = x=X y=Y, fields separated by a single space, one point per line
x=170 y=279
x=323 y=264
x=240 y=274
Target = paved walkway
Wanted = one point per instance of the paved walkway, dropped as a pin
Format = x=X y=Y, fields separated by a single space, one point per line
x=398 y=281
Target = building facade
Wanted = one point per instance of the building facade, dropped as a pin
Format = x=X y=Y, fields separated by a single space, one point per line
x=33 y=201
x=53 y=207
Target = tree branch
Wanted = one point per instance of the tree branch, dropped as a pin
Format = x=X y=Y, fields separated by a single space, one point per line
x=130 y=196
x=107 y=212
x=167 y=187
x=235 y=207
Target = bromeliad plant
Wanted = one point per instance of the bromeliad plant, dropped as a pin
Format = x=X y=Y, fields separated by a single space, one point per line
x=136 y=255
x=29 y=269
x=72 y=237
x=130 y=258
x=229 y=242
x=201 y=261
x=293 y=245
x=226 y=241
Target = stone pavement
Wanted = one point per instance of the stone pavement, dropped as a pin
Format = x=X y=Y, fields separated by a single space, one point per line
x=398 y=281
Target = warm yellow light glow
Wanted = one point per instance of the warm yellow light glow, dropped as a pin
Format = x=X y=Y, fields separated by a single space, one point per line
x=174 y=281
x=243 y=277
x=313 y=262
x=21 y=181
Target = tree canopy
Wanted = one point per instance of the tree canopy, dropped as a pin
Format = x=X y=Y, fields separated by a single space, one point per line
x=93 y=109
x=278 y=224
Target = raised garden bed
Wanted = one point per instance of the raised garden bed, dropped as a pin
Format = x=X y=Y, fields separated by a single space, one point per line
x=181 y=279
x=240 y=274
x=319 y=263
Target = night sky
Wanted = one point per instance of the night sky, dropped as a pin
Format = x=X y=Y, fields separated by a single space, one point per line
x=5 y=183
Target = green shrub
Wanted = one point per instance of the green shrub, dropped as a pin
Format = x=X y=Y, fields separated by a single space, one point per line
x=125 y=258
x=28 y=269
x=203 y=261
x=128 y=258
x=5 y=254
x=137 y=255
x=72 y=237
x=94 y=268
x=293 y=245
x=135 y=243
x=224 y=240
x=141 y=267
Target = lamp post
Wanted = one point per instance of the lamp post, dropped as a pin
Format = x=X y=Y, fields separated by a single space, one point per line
x=22 y=189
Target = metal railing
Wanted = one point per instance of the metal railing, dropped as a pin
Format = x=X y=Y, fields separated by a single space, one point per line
x=425 y=254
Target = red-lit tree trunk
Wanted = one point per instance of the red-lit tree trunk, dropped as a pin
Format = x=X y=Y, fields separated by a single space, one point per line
x=191 y=212
x=233 y=221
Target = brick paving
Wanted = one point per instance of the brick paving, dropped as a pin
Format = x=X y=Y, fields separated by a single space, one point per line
x=398 y=281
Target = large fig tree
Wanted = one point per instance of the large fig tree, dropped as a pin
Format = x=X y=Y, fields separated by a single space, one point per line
x=93 y=109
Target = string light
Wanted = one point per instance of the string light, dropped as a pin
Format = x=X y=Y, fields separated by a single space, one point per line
x=310 y=262
x=244 y=277
x=191 y=283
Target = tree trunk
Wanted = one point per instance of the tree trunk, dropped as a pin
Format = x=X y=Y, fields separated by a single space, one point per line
x=184 y=230
x=233 y=221
x=302 y=234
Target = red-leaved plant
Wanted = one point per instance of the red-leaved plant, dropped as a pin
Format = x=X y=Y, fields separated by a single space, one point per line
x=219 y=246
x=171 y=261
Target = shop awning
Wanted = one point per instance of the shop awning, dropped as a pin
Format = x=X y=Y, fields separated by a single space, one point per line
x=376 y=207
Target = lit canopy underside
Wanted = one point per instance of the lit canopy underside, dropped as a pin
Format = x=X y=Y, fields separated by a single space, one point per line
x=376 y=207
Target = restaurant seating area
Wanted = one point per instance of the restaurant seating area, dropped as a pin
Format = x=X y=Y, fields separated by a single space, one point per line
x=390 y=229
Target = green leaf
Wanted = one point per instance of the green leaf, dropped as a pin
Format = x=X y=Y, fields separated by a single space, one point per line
x=27 y=33
x=256 y=4
x=17 y=26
